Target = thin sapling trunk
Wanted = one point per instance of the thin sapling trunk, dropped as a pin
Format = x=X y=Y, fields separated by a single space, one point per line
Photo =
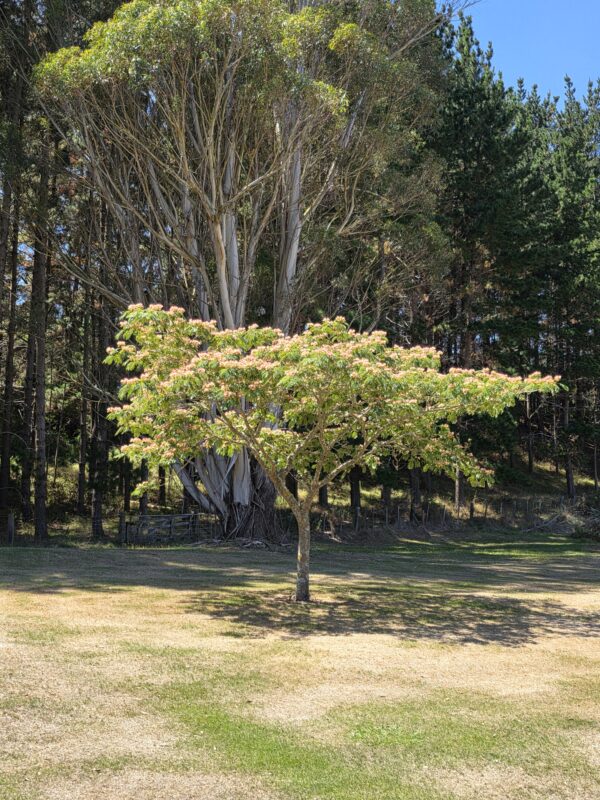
x=303 y=561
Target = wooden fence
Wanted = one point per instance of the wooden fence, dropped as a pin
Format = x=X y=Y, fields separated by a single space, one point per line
x=166 y=528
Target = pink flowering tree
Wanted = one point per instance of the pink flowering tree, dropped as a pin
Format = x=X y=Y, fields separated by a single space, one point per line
x=319 y=403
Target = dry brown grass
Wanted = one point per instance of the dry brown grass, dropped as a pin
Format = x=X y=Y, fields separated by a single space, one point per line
x=91 y=638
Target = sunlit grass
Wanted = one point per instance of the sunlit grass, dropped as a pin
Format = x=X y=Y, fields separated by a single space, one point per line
x=421 y=672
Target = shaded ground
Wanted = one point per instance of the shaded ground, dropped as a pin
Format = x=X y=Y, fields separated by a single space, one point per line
x=423 y=671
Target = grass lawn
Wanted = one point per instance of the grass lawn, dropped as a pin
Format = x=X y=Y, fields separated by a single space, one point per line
x=421 y=672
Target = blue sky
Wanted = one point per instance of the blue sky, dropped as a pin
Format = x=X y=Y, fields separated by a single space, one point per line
x=542 y=40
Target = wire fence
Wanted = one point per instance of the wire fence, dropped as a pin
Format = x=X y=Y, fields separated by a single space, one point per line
x=519 y=513
x=170 y=526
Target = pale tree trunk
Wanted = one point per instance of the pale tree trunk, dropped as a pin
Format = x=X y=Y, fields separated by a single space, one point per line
x=303 y=561
x=237 y=489
x=290 y=244
x=250 y=501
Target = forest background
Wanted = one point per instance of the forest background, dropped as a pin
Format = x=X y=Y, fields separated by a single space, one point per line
x=366 y=160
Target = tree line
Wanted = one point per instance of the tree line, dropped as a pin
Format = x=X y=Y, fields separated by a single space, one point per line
x=254 y=162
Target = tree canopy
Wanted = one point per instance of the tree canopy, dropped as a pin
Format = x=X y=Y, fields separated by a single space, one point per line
x=318 y=403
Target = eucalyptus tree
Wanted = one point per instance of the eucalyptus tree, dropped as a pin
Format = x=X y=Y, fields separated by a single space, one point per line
x=217 y=132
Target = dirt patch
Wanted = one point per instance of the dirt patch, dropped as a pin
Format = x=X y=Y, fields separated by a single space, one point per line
x=304 y=705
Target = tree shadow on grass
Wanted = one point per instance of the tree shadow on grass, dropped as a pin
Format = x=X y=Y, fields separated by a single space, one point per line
x=408 y=612
x=106 y=570
x=442 y=596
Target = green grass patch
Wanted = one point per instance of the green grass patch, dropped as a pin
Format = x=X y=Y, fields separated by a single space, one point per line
x=289 y=761
x=9 y=790
x=383 y=750
x=43 y=633
x=459 y=728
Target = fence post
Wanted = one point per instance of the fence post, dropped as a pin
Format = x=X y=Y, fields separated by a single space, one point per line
x=122 y=528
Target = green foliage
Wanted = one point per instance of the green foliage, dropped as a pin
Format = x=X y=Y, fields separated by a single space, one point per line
x=318 y=403
x=145 y=41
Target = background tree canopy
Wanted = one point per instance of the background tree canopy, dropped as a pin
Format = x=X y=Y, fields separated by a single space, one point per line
x=259 y=162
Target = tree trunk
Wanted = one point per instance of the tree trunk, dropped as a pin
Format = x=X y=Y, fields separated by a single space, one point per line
x=38 y=330
x=530 y=451
x=569 y=471
x=570 y=477
x=415 y=494
x=99 y=474
x=324 y=497
x=457 y=491
x=292 y=484
x=386 y=495
x=354 y=478
x=185 y=501
x=303 y=572
x=5 y=217
x=100 y=432
x=143 y=504
x=127 y=485
x=9 y=373
x=83 y=414
x=555 y=437
x=27 y=435
x=252 y=512
x=291 y=229
x=10 y=185
x=242 y=495
x=162 y=487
